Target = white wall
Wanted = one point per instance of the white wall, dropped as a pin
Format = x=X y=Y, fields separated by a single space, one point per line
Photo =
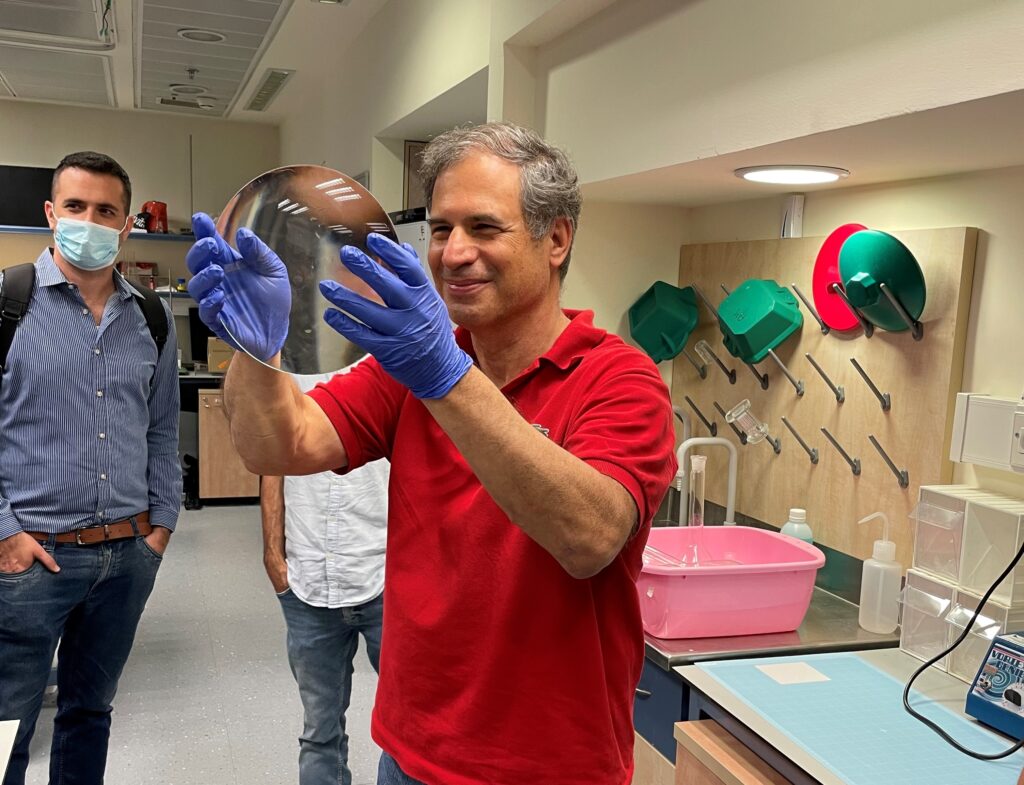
x=652 y=83
x=619 y=252
x=152 y=147
x=410 y=53
x=990 y=201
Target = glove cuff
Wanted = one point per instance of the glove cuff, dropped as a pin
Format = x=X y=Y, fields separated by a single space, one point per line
x=457 y=366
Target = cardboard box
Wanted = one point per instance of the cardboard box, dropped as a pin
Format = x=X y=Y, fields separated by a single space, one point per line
x=218 y=355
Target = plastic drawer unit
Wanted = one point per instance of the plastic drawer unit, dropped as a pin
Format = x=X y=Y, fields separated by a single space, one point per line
x=994 y=619
x=924 y=631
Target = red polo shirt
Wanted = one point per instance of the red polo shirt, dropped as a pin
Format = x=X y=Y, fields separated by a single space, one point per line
x=497 y=666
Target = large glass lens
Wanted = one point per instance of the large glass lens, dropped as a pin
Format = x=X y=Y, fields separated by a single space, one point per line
x=306 y=214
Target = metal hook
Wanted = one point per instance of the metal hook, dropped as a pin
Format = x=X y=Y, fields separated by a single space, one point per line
x=838 y=290
x=701 y=368
x=711 y=426
x=901 y=474
x=740 y=435
x=824 y=327
x=762 y=378
x=839 y=392
x=916 y=328
x=811 y=451
x=854 y=462
x=798 y=385
x=705 y=300
x=883 y=398
x=707 y=354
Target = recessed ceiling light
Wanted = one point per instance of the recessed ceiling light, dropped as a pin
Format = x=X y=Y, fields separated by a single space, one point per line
x=792 y=174
x=188 y=89
x=201 y=35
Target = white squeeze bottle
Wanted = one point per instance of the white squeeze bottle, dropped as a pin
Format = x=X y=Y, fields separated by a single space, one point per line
x=880 y=584
x=797 y=526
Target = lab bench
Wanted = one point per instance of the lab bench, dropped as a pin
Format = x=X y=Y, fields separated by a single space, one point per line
x=838 y=719
x=663 y=697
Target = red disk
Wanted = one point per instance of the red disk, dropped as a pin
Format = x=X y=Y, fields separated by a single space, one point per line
x=831 y=308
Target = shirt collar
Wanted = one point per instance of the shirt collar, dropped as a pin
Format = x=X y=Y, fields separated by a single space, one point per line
x=579 y=337
x=49 y=274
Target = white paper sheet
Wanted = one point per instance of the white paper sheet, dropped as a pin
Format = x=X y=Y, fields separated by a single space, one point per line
x=792 y=673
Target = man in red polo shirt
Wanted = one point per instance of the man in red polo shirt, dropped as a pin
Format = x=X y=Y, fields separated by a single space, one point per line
x=529 y=451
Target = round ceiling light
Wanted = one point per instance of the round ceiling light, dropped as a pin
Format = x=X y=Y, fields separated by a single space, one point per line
x=201 y=35
x=795 y=174
x=189 y=89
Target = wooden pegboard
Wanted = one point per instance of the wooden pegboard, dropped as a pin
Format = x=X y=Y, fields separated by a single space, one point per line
x=922 y=378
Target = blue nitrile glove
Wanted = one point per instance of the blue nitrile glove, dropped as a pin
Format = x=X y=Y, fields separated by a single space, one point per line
x=244 y=296
x=411 y=337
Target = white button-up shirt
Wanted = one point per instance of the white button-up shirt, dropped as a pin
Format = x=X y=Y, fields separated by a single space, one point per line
x=335 y=530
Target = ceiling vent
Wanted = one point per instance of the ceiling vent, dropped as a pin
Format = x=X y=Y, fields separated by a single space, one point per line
x=270 y=85
x=185 y=102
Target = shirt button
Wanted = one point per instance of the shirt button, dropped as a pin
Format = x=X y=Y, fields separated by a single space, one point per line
x=95 y=351
x=85 y=311
x=103 y=436
x=103 y=476
x=99 y=393
x=99 y=515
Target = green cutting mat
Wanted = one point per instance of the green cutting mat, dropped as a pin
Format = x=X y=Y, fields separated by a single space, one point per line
x=854 y=723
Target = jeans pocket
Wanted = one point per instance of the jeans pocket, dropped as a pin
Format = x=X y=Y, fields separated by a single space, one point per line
x=18 y=577
x=149 y=550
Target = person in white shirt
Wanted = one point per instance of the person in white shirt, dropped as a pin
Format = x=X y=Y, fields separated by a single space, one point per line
x=323 y=549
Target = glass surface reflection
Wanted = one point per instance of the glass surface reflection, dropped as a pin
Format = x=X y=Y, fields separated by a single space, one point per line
x=306 y=214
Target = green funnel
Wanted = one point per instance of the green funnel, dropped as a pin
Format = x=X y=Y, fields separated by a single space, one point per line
x=870 y=258
x=756 y=318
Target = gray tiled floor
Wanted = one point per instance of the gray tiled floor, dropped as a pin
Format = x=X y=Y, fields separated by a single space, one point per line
x=206 y=696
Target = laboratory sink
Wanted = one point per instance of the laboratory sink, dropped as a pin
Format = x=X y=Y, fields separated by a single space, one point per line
x=715 y=581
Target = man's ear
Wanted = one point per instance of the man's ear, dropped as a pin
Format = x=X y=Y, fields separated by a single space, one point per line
x=51 y=219
x=561 y=241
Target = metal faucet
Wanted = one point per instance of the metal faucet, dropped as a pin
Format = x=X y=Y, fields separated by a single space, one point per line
x=680 y=480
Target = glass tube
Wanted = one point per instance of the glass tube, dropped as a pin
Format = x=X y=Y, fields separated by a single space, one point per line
x=696 y=517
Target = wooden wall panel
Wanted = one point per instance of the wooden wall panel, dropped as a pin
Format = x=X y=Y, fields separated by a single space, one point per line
x=922 y=377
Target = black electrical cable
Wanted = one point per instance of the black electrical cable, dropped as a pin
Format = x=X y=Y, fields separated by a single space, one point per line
x=104 y=29
x=963 y=636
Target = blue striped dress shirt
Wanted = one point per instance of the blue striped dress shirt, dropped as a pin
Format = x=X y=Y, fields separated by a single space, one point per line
x=88 y=415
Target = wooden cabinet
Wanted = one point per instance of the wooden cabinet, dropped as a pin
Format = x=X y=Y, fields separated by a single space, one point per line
x=709 y=755
x=221 y=472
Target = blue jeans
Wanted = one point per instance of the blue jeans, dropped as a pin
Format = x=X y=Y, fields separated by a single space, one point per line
x=390 y=773
x=322 y=643
x=92 y=606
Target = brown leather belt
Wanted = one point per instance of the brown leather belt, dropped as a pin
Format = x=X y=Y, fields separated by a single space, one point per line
x=118 y=530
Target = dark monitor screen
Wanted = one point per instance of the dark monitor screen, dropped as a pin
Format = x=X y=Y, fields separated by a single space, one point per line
x=23 y=189
x=197 y=335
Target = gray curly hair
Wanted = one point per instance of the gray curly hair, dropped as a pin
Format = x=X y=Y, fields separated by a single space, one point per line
x=549 y=186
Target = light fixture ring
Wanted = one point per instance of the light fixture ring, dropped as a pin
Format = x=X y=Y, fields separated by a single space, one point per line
x=201 y=35
x=791 y=174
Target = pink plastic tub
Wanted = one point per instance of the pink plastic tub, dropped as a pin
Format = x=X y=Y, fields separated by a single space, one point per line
x=746 y=581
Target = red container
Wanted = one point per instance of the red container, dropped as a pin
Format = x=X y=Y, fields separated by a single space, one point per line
x=157 y=221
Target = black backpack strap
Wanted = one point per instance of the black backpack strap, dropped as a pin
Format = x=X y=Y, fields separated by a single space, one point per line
x=156 y=318
x=15 y=295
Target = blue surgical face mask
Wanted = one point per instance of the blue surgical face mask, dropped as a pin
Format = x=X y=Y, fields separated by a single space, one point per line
x=86 y=245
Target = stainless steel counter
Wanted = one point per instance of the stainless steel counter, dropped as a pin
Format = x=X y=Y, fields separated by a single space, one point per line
x=830 y=625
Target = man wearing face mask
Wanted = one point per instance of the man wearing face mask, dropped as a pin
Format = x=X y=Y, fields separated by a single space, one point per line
x=90 y=484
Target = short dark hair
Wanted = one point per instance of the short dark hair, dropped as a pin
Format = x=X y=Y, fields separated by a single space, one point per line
x=549 y=186
x=97 y=163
